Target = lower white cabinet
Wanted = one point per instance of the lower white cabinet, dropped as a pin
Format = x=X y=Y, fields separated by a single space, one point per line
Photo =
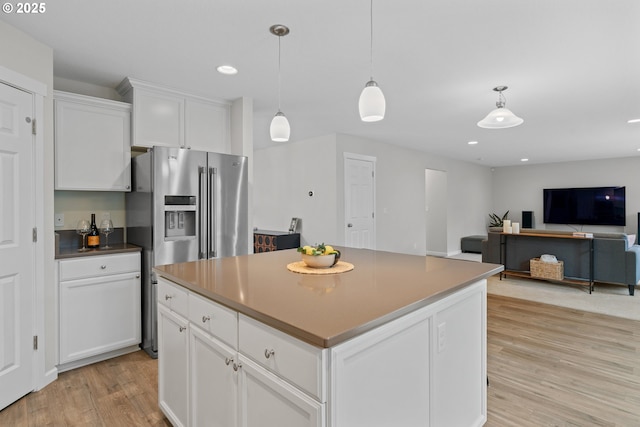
x=173 y=366
x=99 y=308
x=426 y=368
x=214 y=381
x=267 y=400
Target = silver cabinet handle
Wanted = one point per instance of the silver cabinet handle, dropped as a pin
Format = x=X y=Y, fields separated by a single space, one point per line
x=237 y=366
x=268 y=353
x=103 y=267
x=205 y=318
x=349 y=225
x=182 y=328
x=167 y=297
x=228 y=361
x=137 y=276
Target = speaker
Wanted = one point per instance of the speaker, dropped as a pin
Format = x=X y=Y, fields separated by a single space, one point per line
x=529 y=222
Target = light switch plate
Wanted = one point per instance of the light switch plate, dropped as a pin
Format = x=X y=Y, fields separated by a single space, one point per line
x=59 y=220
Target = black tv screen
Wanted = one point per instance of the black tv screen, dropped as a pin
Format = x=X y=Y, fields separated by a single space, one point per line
x=592 y=206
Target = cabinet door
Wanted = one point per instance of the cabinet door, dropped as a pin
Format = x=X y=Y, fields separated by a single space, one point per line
x=213 y=381
x=173 y=366
x=459 y=369
x=99 y=315
x=92 y=144
x=269 y=401
x=158 y=119
x=207 y=126
x=382 y=377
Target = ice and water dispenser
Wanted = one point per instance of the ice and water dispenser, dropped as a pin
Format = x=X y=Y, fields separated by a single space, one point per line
x=179 y=217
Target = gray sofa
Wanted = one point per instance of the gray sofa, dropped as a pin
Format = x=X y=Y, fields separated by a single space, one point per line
x=615 y=260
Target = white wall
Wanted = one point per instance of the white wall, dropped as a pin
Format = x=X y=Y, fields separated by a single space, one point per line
x=520 y=188
x=283 y=176
x=27 y=56
x=400 y=196
x=285 y=173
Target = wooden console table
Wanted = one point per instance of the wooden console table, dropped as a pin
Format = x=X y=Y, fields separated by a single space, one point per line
x=565 y=246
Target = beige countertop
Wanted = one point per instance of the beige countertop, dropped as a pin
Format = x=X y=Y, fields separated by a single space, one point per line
x=65 y=253
x=325 y=310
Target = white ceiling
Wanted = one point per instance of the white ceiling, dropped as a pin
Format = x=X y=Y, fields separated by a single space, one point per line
x=572 y=66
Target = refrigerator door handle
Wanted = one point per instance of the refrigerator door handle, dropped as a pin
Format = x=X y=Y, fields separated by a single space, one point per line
x=202 y=235
x=213 y=202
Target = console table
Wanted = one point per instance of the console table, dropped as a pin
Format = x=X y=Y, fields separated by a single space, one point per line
x=516 y=250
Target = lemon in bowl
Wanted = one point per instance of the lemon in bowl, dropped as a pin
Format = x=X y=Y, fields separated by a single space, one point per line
x=319 y=256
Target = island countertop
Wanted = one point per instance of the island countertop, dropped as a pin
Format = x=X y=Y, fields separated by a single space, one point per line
x=325 y=310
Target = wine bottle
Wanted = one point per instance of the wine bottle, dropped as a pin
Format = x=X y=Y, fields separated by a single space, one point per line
x=93 y=238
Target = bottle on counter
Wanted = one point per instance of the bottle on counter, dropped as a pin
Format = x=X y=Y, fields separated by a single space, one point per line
x=93 y=238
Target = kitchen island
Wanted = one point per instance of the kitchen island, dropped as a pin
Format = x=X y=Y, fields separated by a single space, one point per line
x=399 y=340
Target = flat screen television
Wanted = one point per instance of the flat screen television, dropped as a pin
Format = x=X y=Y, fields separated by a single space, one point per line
x=592 y=206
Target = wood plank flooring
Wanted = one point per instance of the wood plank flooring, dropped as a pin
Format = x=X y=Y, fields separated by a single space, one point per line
x=553 y=366
x=118 y=392
x=548 y=366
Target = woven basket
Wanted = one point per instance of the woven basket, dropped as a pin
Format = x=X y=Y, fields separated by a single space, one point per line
x=546 y=270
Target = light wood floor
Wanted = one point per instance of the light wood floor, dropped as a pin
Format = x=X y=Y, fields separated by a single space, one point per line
x=118 y=392
x=548 y=366
x=553 y=366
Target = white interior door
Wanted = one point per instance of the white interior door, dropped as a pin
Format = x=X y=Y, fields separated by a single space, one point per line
x=17 y=260
x=359 y=201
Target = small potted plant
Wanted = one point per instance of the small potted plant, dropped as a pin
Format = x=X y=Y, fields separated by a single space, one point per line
x=497 y=221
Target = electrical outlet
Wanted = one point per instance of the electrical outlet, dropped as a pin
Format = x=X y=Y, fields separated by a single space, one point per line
x=442 y=336
x=59 y=220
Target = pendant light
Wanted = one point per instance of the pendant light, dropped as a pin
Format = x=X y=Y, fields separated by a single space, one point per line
x=372 y=104
x=279 y=129
x=501 y=117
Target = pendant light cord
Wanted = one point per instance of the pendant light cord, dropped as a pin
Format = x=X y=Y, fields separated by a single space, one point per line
x=279 y=78
x=371 y=38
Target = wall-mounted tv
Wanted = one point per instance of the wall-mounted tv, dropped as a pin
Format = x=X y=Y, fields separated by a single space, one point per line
x=592 y=206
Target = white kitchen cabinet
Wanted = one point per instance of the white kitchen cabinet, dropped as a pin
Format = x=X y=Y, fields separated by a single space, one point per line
x=99 y=308
x=170 y=118
x=426 y=368
x=173 y=366
x=207 y=126
x=269 y=401
x=92 y=143
x=213 y=381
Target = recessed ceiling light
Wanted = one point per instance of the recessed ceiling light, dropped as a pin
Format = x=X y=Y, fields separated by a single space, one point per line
x=472 y=142
x=227 y=69
x=633 y=121
x=524 y=160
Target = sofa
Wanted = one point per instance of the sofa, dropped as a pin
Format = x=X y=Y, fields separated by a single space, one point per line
x=615 y=258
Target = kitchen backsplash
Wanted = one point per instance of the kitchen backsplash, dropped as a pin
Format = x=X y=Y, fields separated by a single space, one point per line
x=77 y=205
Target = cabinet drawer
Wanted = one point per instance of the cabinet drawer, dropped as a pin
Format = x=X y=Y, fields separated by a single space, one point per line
x=299 y=362
x=173 y=297
x=98 y=265
x=217 y=320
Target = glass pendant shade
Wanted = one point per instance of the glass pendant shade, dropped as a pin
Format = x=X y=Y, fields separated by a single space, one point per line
x=280 y=129
x=500 y=118
x=372 y=104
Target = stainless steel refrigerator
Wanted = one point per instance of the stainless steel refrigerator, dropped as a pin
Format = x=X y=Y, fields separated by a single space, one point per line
x=184 y=206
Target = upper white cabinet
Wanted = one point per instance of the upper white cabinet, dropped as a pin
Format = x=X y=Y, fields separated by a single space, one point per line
x=170 y=118
x=92 y=143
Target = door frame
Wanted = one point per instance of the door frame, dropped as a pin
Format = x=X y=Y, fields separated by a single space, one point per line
x=38 y=91
x=373 y=160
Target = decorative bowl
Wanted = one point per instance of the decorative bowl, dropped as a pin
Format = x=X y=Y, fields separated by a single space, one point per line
x=320 y=261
